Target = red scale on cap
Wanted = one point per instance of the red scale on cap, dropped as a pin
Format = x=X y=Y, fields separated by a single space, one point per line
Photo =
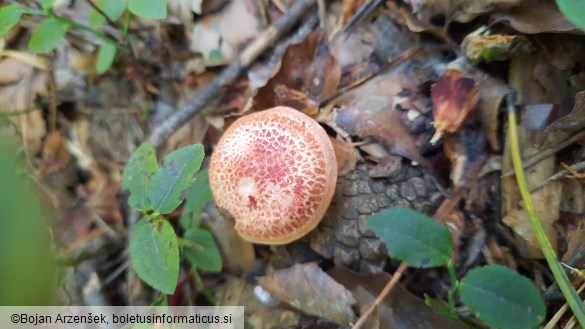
x=275 y=172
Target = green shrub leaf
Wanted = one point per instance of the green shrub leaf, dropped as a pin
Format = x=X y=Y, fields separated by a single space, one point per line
x=203 y=253
x=198 y=196
x=155 y=9
x=113 y=8
x=47 y=35
x=574 y=11
x=138 y=175
x=412 y=237
x=174 y=178
x=47 y=4
x=105 y=57
x=9 y=16
x=27 y=267
x=154 y=254
x=502 y=298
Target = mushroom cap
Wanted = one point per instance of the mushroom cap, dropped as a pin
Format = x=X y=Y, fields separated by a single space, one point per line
x=275 y=172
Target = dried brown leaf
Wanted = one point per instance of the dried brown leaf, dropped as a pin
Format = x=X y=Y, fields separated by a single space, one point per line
x=547 y=201
x=491 y=94
x=103 y=200
x=22 y=84
x=399 y=310
x=576 y=239
x=367 y=112
x=237 y=254
x=536 y=16
x=573 y=120
x=307 y=71
x=454 y=96
x=346 y=156
x=309 y=289
x=235 y=291
x=459 y=10
x=54 y=155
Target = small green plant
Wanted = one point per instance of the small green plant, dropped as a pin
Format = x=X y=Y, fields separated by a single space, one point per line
x=53 y=27
x=158 y=191
x=497 y=295
x=574 y=11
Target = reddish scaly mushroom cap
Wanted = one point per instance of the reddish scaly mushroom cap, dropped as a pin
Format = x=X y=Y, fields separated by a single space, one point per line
x=275 y=172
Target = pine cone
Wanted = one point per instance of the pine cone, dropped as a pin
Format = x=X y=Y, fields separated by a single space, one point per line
x=342 y=235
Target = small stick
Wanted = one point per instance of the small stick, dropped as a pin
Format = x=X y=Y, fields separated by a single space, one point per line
x=214 y=88
x=559 y=175
x=395 y=278
x=550 y=151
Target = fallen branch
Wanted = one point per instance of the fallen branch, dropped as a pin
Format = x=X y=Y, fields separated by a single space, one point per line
x=214 y=88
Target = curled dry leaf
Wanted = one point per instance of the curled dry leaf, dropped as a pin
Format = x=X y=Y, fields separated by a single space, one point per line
x=459 y=10
x=367 y=111
x=54 y=155
x=548 y=201
x=491 y=94
x=575 y=119
x=399 y=310
x=229 y=243
x=308 y=72
x=346 y=156
x=576 y=239
x=309 y=289
x=19 y=85
x=536 y=16
x=454 y=96
x=259 y=315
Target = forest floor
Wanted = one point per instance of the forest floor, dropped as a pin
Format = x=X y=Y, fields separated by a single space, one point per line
x=421 y=84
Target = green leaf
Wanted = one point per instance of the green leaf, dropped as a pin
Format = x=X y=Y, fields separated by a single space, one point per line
x=574 y=11
x=203 y=253
x=154 y=254
x=174 y=178
x=9 y=16
x=502 y=298
x=27 y=267
x=105 y=57
x=198 y=196
x=412 y=237
x=138 y=175
x=155 y=9
x=47 y=35
x=113 y=8
x=47 y=4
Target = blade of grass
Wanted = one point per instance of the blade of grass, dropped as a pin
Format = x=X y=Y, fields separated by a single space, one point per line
x=560 y=276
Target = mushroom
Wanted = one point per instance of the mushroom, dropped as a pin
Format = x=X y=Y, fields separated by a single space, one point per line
x=275 y=172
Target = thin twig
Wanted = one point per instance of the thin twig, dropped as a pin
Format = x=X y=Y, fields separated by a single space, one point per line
x=550 y=151
x=364 y=11
x=278 y=4
x=217 y=86
x=559 y=175
x=552 y=323
x=407 y=55
x=395 y=278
